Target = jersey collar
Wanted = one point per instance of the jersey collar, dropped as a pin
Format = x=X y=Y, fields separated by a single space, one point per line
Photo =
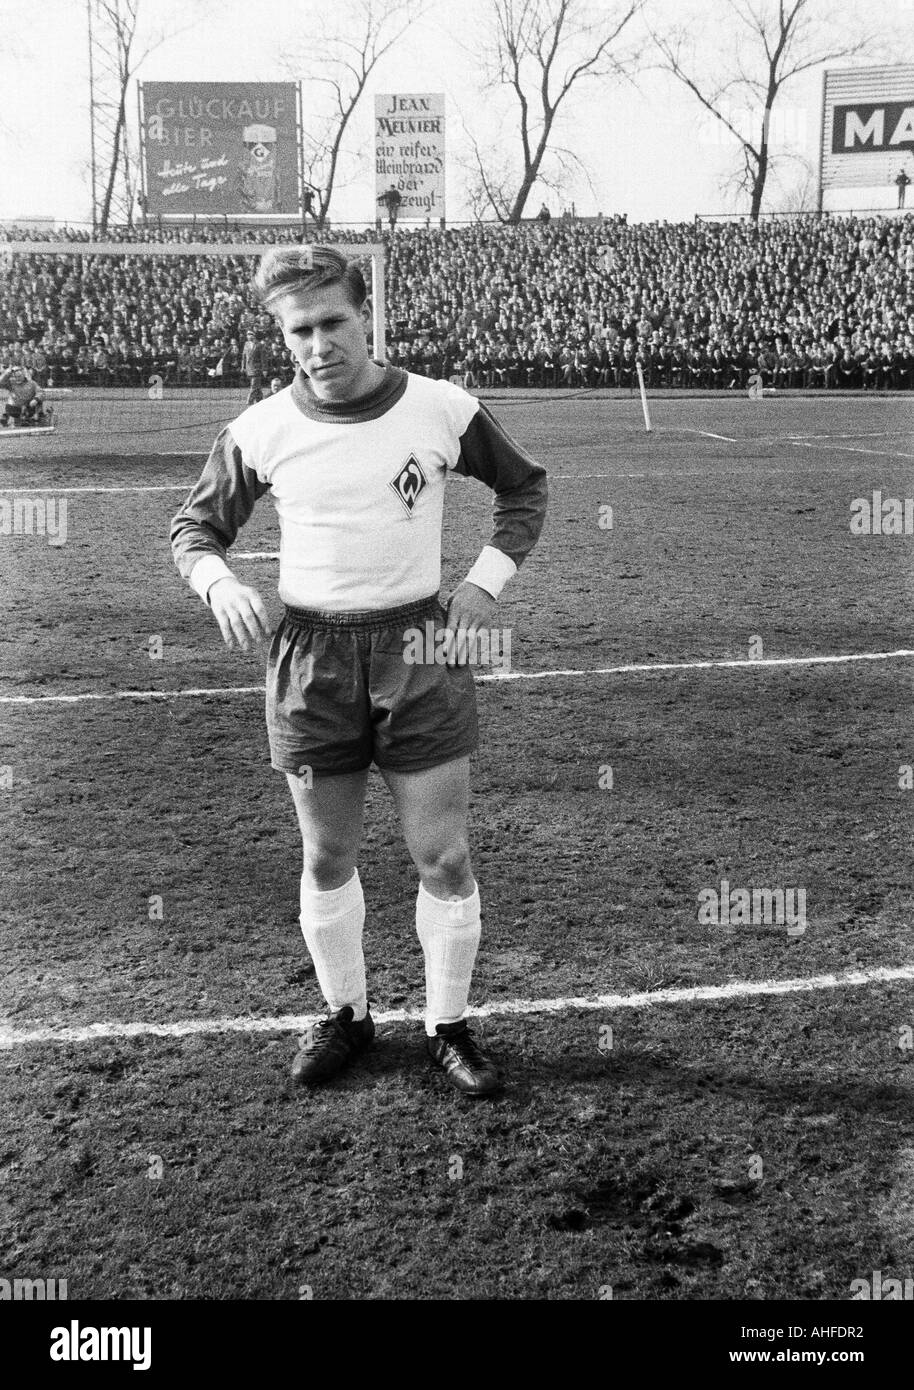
x=376 y=403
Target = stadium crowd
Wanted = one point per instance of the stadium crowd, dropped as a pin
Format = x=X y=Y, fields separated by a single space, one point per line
x=804 y=302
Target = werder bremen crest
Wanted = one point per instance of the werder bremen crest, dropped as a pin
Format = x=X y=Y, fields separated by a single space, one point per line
x=409 y=482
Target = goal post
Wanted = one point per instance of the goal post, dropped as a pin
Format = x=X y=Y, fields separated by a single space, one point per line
x=140 y=338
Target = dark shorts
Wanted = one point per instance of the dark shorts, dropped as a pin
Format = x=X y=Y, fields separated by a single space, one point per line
x=340 y=694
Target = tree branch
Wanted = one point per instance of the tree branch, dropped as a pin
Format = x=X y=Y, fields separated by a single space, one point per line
x=530 y=39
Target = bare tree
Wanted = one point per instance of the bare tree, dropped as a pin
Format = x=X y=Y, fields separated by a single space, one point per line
x=345 y=45
x=120 y=19
x=770 y=42
x=541 y=50
x=117 y=57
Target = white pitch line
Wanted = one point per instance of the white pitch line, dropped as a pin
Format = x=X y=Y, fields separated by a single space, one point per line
x=847 y=449
x=186 y=487
x=654 y=473
x=130 y=695
x=646 y=668
x=854 y=434
x=297 y=1023
x=255 y=554
x=155 y=487
x=553 y=477
x=729 y=439
x=700 y=665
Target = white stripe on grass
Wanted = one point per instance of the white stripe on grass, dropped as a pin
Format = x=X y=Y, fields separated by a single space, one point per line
x=186 y=487
x=727 y=438
x=741 y=663
x=297 y=1023
x=848 y=449
x=635 y=669
x=710 y=471
x=853 y=434
x=150 y=487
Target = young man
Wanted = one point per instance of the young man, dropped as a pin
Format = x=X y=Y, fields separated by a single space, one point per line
x=355 y=455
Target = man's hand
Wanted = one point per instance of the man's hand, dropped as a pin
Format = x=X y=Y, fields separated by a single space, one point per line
x=469 y=609
x=240 y=613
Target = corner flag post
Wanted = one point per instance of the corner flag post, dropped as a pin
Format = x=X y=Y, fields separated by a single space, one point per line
x=644 y=405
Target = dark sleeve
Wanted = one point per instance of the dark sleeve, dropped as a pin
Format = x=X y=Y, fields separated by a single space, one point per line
x=488 y=452
x=217 y=507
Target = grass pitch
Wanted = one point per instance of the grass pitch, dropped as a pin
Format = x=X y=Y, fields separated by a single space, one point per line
x=753 y=1147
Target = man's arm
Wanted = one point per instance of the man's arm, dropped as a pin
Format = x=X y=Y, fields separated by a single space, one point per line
x=488 y=453
x=206 y=526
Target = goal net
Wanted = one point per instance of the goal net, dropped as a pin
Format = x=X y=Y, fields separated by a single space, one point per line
x=139 y=347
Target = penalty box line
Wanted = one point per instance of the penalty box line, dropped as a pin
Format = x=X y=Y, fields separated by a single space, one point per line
x=647 y=668
x=11 y=1038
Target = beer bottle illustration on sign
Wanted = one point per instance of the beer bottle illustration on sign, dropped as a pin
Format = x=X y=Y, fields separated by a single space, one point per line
x=258 y=176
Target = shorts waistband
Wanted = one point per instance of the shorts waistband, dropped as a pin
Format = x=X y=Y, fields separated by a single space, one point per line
x=366 y=619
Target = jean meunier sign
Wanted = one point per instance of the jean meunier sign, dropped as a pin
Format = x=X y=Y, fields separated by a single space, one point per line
x=214 y=148
x=409 y=153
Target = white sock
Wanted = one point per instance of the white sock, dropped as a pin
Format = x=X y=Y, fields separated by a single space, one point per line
x=449 y=930
x=331 y=924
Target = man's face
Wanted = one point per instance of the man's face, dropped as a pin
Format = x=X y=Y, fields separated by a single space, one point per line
x=326 y=335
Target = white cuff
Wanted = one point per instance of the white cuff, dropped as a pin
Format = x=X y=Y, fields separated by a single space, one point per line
x=205 y=572
x=492 y=570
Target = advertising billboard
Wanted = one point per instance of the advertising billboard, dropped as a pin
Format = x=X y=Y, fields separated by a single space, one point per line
x=867 y=136
x=216 y=149
x=409 y=154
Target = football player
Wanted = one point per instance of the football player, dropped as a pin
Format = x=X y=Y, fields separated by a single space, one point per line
x=354 y=455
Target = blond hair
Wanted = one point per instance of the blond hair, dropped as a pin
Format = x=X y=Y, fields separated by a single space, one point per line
x=284 y=269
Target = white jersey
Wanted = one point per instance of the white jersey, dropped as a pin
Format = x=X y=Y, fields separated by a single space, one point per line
x=359 y=491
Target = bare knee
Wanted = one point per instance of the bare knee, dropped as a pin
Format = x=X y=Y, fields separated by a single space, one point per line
x=326 y=867
x=445 y=869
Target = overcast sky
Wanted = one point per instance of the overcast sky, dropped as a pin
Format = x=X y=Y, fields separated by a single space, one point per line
x=649 y=151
